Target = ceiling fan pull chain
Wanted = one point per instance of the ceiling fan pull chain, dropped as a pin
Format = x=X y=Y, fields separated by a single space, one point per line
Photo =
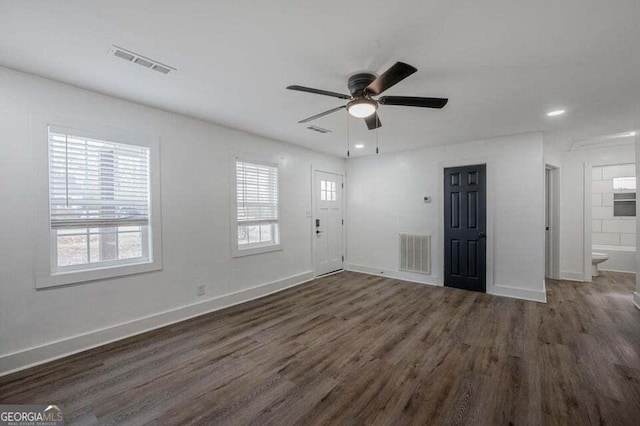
x=348 y=136
x=377 y=133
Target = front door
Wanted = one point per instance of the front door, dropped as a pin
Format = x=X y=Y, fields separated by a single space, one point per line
x=465 y=217
x=328 y=222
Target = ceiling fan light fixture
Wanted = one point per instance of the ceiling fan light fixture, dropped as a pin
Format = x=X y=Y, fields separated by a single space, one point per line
x=361 y=108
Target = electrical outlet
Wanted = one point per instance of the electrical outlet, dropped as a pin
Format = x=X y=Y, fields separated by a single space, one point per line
x=200 y=290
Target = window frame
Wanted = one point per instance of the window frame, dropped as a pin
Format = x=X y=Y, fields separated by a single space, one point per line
x=57 y=269
x=258 y=248
x=46 y=275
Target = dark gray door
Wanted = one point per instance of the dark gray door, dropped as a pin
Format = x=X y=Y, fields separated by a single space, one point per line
x=465 y=227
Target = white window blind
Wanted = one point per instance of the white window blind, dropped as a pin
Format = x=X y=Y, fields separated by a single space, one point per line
x=95 y=183
x=257 y=193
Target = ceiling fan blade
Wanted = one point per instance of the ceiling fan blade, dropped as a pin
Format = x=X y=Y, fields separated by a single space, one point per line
x=373 y=121
x=318 y=91
x=322 y=114
x=413 y=101
x=394 y=75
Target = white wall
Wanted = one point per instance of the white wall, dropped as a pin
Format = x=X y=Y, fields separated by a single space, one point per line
x=385 y=197
x=573 y=244
x=195 y=159
x=552 y=155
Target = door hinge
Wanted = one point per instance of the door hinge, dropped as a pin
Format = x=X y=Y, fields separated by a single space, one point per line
x=343 y=185
x=343 y=258
x=343 y=221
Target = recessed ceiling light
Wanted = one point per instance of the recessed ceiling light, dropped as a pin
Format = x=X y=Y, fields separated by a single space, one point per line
x=555 y=112
x=359 y=146
x=632 y=133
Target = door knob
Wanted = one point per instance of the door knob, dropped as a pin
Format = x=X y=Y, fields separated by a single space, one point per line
x=319 y=232
x=481 y=235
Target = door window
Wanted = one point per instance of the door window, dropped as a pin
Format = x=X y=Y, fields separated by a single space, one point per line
x=328 y=191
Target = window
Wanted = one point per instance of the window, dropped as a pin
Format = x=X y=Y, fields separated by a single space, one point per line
x=98 y=202
x=97 y=211
x=256 y=208
x=624 y=183
x=624 y=197
x=328 y=191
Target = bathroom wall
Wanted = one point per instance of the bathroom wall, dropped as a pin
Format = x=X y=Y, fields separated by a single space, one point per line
x=608 y=230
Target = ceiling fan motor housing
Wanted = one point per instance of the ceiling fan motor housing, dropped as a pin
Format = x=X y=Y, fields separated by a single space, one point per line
x=358 y=82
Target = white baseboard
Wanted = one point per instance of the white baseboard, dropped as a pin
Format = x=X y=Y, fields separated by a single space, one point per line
x=572 y=276
x=519 y=293
x=400 y=275
x=636 y=299
x=536 y=296
x=617 y=270
x=31 y=357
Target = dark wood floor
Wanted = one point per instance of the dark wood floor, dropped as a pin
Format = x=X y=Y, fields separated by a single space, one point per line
x=358 y=349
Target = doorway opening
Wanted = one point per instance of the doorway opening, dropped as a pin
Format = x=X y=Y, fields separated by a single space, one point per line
x=610 y=237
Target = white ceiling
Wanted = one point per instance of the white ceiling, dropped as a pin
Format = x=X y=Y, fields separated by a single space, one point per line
x=502 y=63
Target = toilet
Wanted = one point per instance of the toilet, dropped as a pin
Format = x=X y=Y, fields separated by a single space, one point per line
x=596 y=259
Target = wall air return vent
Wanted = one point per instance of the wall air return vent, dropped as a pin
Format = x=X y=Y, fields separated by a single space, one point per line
x=319 y=129
x=136 y=58
x=415 y=253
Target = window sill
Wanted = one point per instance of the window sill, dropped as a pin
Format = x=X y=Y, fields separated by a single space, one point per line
x=87 y=275
x=256 y=250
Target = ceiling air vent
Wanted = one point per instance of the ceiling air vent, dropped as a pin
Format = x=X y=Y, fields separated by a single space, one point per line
x=143 y=62
x=162 y=69
x=319 y=129
x=135 y=58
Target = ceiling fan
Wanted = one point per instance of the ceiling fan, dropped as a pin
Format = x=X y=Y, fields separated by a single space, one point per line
x=364 y=86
